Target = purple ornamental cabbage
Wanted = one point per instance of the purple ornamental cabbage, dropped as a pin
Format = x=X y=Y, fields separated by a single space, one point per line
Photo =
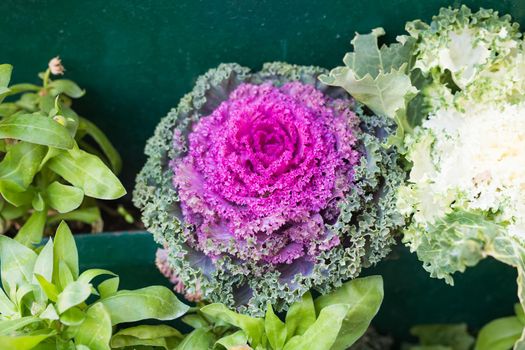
x=264 y=185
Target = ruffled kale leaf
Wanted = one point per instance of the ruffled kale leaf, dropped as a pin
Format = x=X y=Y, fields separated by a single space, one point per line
x=378 y=76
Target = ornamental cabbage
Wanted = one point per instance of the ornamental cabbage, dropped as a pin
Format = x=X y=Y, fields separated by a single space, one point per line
x=465 y=190
x=461 y=126
x=263 y=185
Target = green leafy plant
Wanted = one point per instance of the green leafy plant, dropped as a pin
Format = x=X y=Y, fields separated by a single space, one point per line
x=48 y=170
x=46 y=303
x=441 y=337
x=332 y=322
x=500 y=334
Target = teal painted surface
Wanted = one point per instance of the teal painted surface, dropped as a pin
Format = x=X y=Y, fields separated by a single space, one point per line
x=136 y=58
x=481 y=294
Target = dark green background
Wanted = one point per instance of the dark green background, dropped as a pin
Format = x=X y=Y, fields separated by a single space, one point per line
x=136 y=58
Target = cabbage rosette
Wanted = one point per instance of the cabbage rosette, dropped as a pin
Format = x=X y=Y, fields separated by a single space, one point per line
x=456 y=89
x=261 y=186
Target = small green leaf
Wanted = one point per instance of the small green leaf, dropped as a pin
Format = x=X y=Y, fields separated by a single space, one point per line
x=44 y=262
x=153 y=302
x=65 y=250
x=7 y=109
x=5 y=77
x=105 y=145
x=500 y=334
x=17 y=199
x=88 y=275
x=89 y=215
x=17 y=263
x=19 y=88
x=7 y=327
x=194 y=320
x=65 y=276
x=63 y=198
x=252 y=327
x=10 y=212
x=300 y=316
x=275 y=329
x=74 y=294
x=38 y=202
x=7 y=308
x=95 y=332
x=44 y=268
x=324 y=332
x=50 y=313
x=146 y=335
x=36 y=129
x=520 y=314
x=108 y=287
x=234 y=341
x=5 y=74
x=73 y=317
x=33 y=230
x=20 y=164
x=454 y=336
x=364 y=297
x=201 y=338
x=24 y=342
x=49 y=288
x=87 y=172
x=68 y=87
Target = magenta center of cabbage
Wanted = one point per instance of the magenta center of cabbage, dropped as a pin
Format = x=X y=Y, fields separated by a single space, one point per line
x=264 y=173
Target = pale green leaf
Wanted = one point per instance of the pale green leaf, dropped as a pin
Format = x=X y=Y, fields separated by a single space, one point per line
x=201 y=338
x=17 y=263
x=5 y=74
x=65 y=276
x=376 y=77
x=73 y=317
x=252 y=327
x=105 y=145
x=5 y=77
x=63 y=198
x=108 y=287
x=455 y=336
x=364 y=297
x=50 y=313
x=8 y=327
x=323 y=333
x=20 y=164
x=65 y=249
x=32 y=231
x=87 y=172
x=88 y=275
x=73 y=294
x=49 y=288
x=36 y=129
x=194 y=320
x=275 y=329
x=65 y=86
x=95 y=332
x=300 y=316
x=146 y=335
x=233 y=341
x=153 y=302
x=500 y=334
x=7 y=308
x=89 y=215
x=23 y=342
